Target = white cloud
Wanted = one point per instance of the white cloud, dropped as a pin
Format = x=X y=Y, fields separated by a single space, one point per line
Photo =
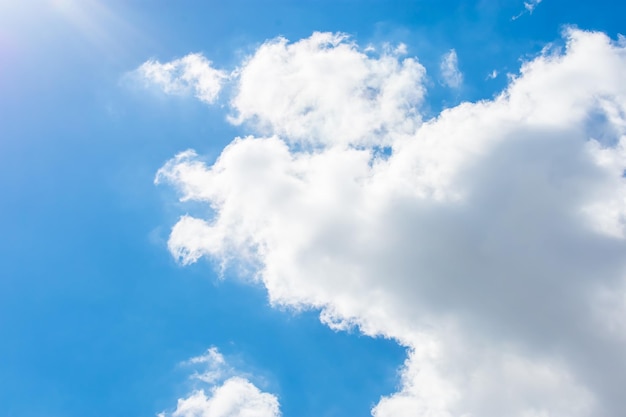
x=324 y=90
x=530 y=5
x=214 y=366
x=236 y=397
x=449 y=68
x=192 y=74
x=212 y=357
x=228 y=394
x=483 y=239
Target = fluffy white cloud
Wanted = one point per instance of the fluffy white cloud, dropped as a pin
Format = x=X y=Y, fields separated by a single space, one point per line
x=192 y=74
x=324 y=90
x=232 y=396
x=236 y=397
x=488 y=240
x=449 y=67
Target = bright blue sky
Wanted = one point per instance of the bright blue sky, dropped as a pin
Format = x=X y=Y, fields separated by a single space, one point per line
x=95 y=314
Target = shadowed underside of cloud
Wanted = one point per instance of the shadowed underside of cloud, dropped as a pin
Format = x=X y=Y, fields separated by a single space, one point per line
x=488 y=240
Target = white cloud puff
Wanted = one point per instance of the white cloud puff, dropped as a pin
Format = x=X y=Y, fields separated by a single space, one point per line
x=236 y=397
x=324 y=90
x=489 y=240
x=449 y=68
x=228 y=396
x=192 y=74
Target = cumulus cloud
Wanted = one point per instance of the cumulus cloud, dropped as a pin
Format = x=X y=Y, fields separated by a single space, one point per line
x=449 y=68
x=324 y=90
x=489 y=240
x=236 y=397
x=228 y=395
x=192 y=74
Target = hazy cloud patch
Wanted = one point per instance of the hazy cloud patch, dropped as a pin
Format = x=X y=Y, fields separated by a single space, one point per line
x=449 y=68
x=192 y=74
x=529 y=7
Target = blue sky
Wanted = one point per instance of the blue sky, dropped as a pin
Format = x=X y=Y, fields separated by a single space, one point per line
x=98 y=318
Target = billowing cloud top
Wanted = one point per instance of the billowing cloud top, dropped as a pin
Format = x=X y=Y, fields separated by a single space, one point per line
x=324 y=90
x=228 y=394
x=488 y=240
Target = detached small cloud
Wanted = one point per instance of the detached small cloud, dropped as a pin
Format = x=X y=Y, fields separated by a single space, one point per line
x=492 y=75
x=192 y=74
x=449 y=68
x=214 y=366
x=529 y=7
x=226 y=394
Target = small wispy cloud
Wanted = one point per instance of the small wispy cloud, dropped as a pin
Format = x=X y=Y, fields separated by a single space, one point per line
x=192 y=74
x=449 y=68
x=214 y=366
x=529 y=7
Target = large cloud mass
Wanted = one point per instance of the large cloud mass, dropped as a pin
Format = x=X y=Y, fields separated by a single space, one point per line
x=488 y=240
